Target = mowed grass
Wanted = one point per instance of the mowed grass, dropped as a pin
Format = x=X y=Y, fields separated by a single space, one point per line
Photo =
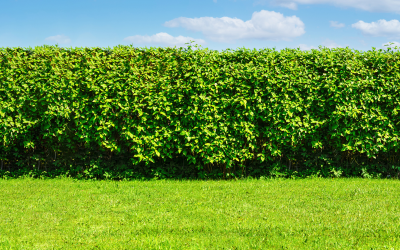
x=242 y=214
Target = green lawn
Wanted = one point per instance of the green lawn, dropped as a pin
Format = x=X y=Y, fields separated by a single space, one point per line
x=242 y=214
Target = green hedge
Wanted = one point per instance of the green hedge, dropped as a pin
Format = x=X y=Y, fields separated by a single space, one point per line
x=174 y=113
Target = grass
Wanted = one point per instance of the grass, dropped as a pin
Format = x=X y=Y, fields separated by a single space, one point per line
x=243 y=214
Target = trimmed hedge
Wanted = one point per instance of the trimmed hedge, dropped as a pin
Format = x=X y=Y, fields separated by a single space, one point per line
x=168 y=113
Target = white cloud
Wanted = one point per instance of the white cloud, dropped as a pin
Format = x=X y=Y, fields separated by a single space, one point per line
x=381 y=28
x=327 y=43
x=163 y=38
x=392 y=46
x=286 y=4
x=306 y=47
x=214 y=1
x=330 y=44
x=336 y=24
x=264 y=25
x=366 y=5
x=59 y=39
x=291 y=5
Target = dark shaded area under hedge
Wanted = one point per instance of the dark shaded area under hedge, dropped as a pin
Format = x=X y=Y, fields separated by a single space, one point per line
x=90 y=163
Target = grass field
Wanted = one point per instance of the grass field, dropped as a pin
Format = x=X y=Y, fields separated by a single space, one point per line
x=243 y=214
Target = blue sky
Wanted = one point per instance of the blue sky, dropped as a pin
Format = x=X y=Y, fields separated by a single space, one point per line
x=215 y=24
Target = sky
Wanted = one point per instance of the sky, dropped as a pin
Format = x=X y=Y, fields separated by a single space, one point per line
x=213 y=24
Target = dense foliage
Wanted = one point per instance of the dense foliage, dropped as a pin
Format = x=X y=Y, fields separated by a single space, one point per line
x=174 y=113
